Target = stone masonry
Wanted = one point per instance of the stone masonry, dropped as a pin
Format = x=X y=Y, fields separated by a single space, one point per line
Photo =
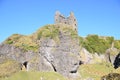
x=70 y=20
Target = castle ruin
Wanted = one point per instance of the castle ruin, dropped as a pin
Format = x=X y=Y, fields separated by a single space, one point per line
x=70 y=20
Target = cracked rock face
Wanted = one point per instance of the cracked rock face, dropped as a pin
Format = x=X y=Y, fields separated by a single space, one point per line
x=63 y=56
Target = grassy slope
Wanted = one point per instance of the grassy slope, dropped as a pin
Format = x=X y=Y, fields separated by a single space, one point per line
x=35 y=76
x=96 y=71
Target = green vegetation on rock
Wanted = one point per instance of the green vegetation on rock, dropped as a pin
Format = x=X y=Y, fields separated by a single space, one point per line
x=53 y=31
x=24 y=42
x=50 y=31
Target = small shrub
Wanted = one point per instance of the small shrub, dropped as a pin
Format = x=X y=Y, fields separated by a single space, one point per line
x=94 y=43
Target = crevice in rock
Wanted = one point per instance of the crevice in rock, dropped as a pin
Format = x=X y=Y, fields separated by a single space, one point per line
x=24 y=65
x=54 y=67
x=81 y=62
x=51 y=64
x=109 y=58
x=74 y=71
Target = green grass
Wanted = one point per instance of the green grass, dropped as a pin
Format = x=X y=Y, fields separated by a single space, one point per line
x=35 y=76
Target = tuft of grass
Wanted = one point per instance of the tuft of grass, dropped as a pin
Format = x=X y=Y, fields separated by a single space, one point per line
x=35 y=76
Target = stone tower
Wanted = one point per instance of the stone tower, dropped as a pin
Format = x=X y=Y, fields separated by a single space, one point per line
x=70 y=20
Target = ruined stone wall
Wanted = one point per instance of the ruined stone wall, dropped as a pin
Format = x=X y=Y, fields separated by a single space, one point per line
x=70 y=20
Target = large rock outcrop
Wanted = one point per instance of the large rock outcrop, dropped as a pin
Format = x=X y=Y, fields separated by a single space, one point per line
x=58 y=50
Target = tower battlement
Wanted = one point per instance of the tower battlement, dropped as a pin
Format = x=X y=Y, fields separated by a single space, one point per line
x=70 y=20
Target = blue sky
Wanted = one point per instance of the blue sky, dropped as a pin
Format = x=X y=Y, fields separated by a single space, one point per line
x=100 y=17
